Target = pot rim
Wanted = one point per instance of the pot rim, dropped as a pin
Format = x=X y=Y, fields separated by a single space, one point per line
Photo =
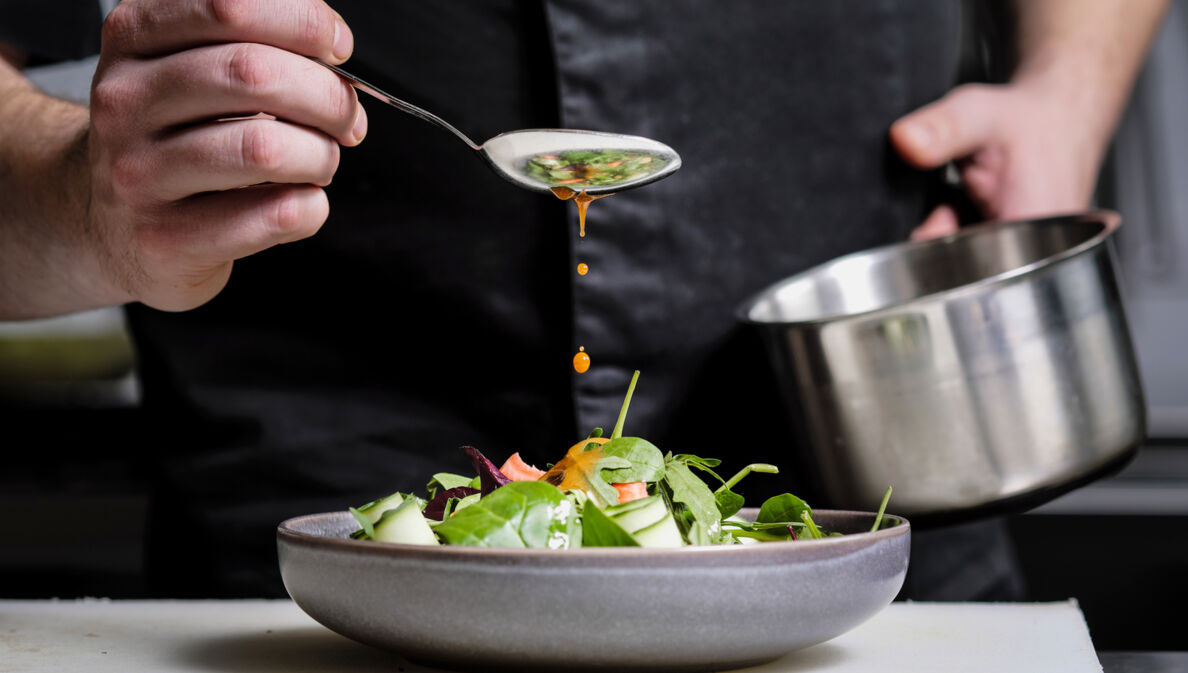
x=1110 y=221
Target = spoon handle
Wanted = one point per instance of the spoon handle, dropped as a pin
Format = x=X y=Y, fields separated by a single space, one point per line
x=397 y=103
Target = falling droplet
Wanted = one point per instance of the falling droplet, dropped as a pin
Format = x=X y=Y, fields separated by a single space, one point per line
x=581 y=360
x=583 y=269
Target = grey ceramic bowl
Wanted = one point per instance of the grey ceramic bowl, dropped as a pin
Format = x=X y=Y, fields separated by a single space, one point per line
x=689 y=609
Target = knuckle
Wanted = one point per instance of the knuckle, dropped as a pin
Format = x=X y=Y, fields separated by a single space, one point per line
x=232 y=14
x=110 y=97
x=288 y=214
x=331 y=163
x=121 y=24
x=315 y=26
x=156 y=244
x=127 y=174
x=344 y=106
x=299 y=214
x=259 y=149
x=248 y=68
x=322 y=174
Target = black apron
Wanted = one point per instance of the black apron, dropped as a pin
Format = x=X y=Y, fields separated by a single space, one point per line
x=439 y=305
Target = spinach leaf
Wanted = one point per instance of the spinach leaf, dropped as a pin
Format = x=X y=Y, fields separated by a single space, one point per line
x=788 y=509
x=518 y=514
x=782 y=508
x=644 y=461
x=599 y=530
x=728 y=501
x=693 y=504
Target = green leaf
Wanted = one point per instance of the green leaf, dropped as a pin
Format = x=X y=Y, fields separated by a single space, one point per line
x=519 y=514
x=728 y=501
x=783 y=508
x=694 y=506
x=455 y=505
x=698 y=461
x=787 y=508
x=644 y=461
x=599 y=530
x=582 y=470
x=444 y=481
x=613 y=463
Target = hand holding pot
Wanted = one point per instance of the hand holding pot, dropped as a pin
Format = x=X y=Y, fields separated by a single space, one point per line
x=1034 y=146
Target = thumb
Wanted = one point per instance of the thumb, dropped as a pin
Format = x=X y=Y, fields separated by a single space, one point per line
x=953 y=127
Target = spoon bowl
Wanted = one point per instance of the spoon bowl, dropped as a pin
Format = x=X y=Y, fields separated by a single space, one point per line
x=597 y=163
x=542 y=160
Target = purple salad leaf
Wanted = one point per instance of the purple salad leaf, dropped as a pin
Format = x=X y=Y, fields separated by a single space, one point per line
x=436 y=508
x=490 y=478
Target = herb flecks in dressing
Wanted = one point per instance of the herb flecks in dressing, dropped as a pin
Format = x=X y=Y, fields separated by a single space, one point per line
x=593 y=168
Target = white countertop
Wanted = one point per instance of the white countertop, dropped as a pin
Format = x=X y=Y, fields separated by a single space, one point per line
x=259 y=636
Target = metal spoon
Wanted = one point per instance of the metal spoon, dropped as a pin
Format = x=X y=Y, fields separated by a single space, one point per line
x=536 y=159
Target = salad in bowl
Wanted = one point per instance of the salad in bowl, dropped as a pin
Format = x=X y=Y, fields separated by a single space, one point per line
x=617 y=557
x=611 y=491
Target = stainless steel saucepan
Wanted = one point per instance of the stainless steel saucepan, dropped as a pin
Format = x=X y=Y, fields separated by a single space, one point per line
x=987 y=371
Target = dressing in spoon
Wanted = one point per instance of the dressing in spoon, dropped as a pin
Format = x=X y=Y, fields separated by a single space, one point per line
x=543 y=160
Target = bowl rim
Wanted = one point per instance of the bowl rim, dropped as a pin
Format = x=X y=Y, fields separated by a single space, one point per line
x=1110 y=221
x=286 y=532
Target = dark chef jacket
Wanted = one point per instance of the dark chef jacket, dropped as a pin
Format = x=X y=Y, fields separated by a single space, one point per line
x=439 y=306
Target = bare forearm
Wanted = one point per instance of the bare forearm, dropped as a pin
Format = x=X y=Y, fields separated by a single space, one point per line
x=48 y=258
x=1090 y=52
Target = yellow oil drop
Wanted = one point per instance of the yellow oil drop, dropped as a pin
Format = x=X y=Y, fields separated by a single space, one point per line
x=583 y=269
x=581 y=360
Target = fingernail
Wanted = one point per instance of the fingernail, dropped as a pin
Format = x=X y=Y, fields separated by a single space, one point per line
x=344 y=42
x=360 y=129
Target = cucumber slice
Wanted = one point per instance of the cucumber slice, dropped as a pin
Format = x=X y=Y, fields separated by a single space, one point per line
x=651 y=510
x=663 y=533
x=405 y=525
x=630 y=505
x=376 y=508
